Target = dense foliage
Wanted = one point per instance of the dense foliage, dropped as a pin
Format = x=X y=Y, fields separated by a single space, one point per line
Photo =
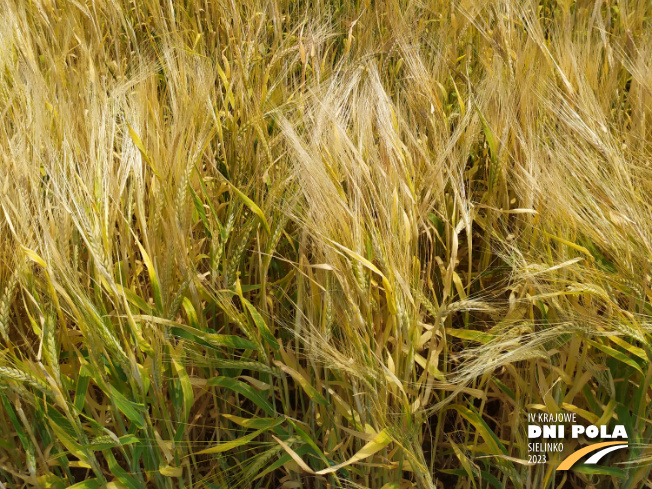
x=322 y=244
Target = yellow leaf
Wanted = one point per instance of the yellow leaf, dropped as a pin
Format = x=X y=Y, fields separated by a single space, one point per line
x=252 y=205
x=294 y=456
x=223 y=447
x=34 y=257
x=170 y=471
x=305 y=383
x=141 y=147
x=389 y=292
x=380 y=441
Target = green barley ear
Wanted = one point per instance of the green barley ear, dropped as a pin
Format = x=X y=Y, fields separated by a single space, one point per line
x=178 y=298
x=23 y=377
x=237 y=251
x=50 y=347
x=328 y=308
x=5 y=302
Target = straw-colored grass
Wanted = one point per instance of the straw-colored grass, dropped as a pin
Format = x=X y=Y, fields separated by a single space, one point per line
x=289 y=244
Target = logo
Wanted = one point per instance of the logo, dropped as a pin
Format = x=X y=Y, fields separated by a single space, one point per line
x=552 y=427
x=601 y=448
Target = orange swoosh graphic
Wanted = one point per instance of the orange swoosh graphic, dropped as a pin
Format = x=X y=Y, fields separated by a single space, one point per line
x=574 y=457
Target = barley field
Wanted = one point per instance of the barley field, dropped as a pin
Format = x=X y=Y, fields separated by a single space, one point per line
x=328 y=244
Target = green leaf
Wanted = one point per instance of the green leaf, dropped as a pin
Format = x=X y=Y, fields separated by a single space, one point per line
x=481 y=427
x=81 y=387
x=285 y=458
x=201 y=211
x=153 y=278
x=210 y=204
x=504 y=388
x=231 y=341
x=251 y=423
x=306 y=437
x=134 y=299
x=186 y=387
x=261 y=325
x=616 y=355
x=87 y=484
x=243 y=389
x=191 y=313
x=133 y=411
x=229 y=445
x=14 y=421
x=600 y=470
x=254 y=208
x=491 y=479
x=469 y=334
x=129 y=439
x=241 y=365
x=119 y=473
